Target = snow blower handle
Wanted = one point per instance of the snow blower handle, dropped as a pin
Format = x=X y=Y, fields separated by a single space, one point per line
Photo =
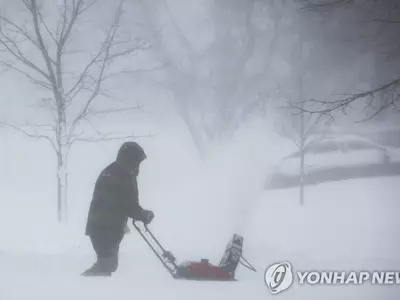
x=166 y=254
x=166 y=257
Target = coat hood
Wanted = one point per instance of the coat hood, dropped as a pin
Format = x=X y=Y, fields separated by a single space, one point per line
x=130 y=155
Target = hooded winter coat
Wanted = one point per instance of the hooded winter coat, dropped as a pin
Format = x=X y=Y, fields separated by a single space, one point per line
x=116 y=197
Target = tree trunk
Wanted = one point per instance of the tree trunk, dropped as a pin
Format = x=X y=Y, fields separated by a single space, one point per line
x=62 y=192
x=62 y=171
x=302 y=176
x=195 y=137
x=302 y=145
x=182 y=94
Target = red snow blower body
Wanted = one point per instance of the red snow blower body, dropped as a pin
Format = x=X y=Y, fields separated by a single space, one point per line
x=199 y=270
x=203 y=270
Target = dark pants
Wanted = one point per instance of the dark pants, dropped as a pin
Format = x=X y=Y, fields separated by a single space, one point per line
x=106 y=248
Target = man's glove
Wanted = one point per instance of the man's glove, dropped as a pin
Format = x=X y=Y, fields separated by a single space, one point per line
x=147 y=216
x=126 y=229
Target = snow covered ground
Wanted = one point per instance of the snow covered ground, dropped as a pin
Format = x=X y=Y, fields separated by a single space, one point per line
x=345 y=226
x=350 y=225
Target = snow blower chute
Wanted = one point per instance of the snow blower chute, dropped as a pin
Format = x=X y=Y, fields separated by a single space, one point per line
x=199 y=270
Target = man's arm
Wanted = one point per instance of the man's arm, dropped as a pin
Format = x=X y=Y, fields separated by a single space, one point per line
x=133 y=208
x=131 y=202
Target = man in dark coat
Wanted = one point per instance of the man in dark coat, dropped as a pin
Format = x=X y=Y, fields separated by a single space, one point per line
x=115 y=200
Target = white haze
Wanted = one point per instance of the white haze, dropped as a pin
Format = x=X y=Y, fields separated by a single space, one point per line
x=198 y=206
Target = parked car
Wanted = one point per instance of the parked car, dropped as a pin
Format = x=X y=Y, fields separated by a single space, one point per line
x=336 y=158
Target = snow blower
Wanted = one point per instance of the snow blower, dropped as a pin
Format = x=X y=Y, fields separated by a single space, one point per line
x=198 y=270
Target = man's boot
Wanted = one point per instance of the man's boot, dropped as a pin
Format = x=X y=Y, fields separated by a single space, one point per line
x=97 y=270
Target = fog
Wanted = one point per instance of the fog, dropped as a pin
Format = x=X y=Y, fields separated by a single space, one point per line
x=218 y=94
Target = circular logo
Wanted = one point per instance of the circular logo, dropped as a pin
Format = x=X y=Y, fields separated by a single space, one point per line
x=278 y=277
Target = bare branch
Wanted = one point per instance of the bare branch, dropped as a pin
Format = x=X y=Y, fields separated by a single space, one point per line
x=298 y=145
x=125 y=52
x=20 y=30
x=344 y=103
x=136 y=71
x=84 y=73
x=182 y=36
x=311 y=125
x=109 y=137
x=105 y=138
x=30 y=135
x=64 y=36
x=45 y=26
x=85 y=8
x=41 y=83
x=117 y=110
x=62 y=23
x=105 y=50
x=326 y=5
x=12 y=48
x=34 y=13
x=67 y=27
x=397 y=22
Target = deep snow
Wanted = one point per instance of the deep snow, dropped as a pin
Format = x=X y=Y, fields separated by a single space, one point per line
x=349 y=225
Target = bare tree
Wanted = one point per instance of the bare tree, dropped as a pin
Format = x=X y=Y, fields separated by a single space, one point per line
x=299 y=86
x=242 y=91
x=231 y=91
x=374 y=24
x=379 y=99
x=48 y=70
x=184 y=80
x=175 y=51
x=304 y=126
